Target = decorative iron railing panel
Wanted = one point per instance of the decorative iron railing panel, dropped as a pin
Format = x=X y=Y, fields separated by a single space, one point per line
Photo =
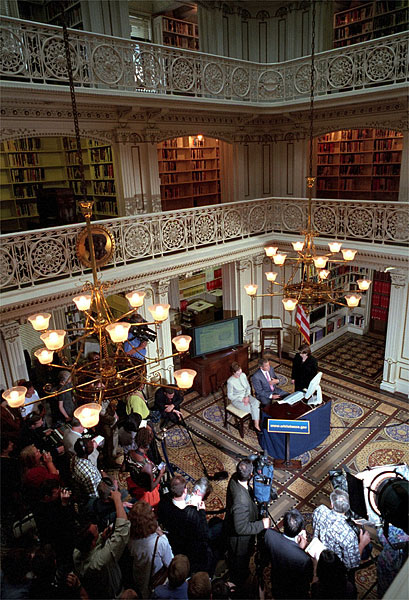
x=36 y=257
x=34 y=53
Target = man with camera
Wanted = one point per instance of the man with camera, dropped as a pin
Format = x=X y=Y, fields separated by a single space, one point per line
x=242 y=522
x=336 y=533
x=138 y=338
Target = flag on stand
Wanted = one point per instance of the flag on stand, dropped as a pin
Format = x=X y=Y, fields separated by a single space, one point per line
x=302 y=321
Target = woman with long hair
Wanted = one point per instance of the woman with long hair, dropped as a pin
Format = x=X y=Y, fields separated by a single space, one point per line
x=145 y=476
x=148 y=546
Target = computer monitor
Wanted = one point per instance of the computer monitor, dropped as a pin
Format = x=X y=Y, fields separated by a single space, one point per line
x=313 y=386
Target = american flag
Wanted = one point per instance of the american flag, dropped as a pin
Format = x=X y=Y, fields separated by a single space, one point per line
x=302 y=321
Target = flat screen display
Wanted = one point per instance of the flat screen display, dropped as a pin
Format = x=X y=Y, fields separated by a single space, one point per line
x=217 y=336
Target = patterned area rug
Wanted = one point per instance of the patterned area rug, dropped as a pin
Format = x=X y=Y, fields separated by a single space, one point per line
x=367 y=429
x=354 y=356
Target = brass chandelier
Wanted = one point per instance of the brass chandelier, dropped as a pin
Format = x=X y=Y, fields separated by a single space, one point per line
x=314 y=287
x=114 y=374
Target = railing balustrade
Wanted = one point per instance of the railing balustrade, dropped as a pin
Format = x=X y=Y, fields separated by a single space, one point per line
x=35 y=257
x=34 y=53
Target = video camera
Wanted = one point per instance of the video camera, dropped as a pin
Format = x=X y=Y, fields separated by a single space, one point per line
x=140 y=330
x=264 y=492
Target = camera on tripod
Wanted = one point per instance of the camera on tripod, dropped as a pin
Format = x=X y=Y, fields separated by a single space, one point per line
x=264 y=492
x=143 y=333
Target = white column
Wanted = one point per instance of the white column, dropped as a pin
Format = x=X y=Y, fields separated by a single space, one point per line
x=396 y=366
x=159 y=370
x=14 y=365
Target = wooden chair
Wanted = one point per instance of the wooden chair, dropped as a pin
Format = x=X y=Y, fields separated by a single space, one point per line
x=239 y=416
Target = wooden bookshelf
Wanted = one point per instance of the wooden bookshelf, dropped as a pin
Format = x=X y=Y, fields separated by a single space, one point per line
x=380 y=302
x=329 y=321
x=34 y=168
x=175 y=32
x=189 y=171
x=70 y=10
x=359 y=163
x=370 y=20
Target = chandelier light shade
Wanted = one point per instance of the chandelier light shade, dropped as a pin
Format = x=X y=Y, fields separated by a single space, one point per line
x=320 y=262
x=182 y=342
x=271 y=276
x=309 y=285
x=135 y=299
x=251 y=289
x=364 y=284
x=83 y=302
x=289 y=303
x=270 y=250
x=279 y=259
x=118 y=332
x=184 y=378
x=53 y=339
x=44 y=356
x=348 y=254
x=352 y=300
x=334 y=247
x=88 y=414
x=159 y=312
x=15 y=396
x=40 y=321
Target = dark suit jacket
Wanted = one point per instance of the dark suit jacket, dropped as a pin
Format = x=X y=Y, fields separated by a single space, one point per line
x=242 y=522
x=262 y=387
x=303 y=372
x=291 y=568
x=162 y=401
x=188 y=533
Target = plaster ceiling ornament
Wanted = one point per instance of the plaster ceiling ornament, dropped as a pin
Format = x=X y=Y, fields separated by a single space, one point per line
x=55 y=62
x=213 y=76
x=107 y=64
x=324 y=219
x=256 y=219
x=359 y=223
x=183 y=74
x=232 y=223
x=270 y=85
x=48 y=257
x=7 y=268
x=380 y=63
x=397 y=225
x=205 y=228
x=293 y=217
x=12 y=55
x=174 y=234
x=340 y=71
x=302 y=79
x=147 y=70
x=240 y=81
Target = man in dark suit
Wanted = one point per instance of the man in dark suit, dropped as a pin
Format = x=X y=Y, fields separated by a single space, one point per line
x=291 y=568
x=242 y=522
x=167 y=402
x=265 y=383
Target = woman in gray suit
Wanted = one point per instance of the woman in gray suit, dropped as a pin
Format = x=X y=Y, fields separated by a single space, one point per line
x=238 y=392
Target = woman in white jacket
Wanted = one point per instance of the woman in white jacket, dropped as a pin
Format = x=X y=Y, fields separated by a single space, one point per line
x=238 y=392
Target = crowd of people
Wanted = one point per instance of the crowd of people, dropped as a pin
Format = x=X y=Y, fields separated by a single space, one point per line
x=74 y=532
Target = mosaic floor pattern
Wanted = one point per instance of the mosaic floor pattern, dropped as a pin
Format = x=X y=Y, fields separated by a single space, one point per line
x=367 y=429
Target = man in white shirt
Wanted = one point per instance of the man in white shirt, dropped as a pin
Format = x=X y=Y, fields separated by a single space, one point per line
x=265 y=383
x=31 y=396
x=72 y=434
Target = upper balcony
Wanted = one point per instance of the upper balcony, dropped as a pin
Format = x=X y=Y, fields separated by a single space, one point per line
x=32 y=57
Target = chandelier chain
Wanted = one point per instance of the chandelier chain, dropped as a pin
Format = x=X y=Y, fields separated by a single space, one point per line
x=311 y=116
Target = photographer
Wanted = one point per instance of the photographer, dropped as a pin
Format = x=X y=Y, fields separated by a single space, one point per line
x=138 y=338
x=167 y=402
x=334 y=531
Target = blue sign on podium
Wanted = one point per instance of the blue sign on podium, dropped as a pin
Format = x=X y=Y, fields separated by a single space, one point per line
x=284 y=426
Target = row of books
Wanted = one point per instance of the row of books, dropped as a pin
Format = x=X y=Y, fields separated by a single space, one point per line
x=106 y=206
x=104 y=187
x=382 y=287
x=380 y=157
x=387 y=169
x=26 y=191
x=380 y=300
x=184 y=28
x=385 y=184
x=101 y=171
x=23 y=159
x=103 y=154
x=379 y=314
x=387 y=144
x=32 y=143
x=20 y=175
x=360 y=13
x=27 y=209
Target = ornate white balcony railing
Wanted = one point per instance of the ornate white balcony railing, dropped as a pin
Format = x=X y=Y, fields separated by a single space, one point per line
x=40 y=256
x=34 y=53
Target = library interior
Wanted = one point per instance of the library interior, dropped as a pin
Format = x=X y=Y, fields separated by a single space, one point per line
x=243 y=166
